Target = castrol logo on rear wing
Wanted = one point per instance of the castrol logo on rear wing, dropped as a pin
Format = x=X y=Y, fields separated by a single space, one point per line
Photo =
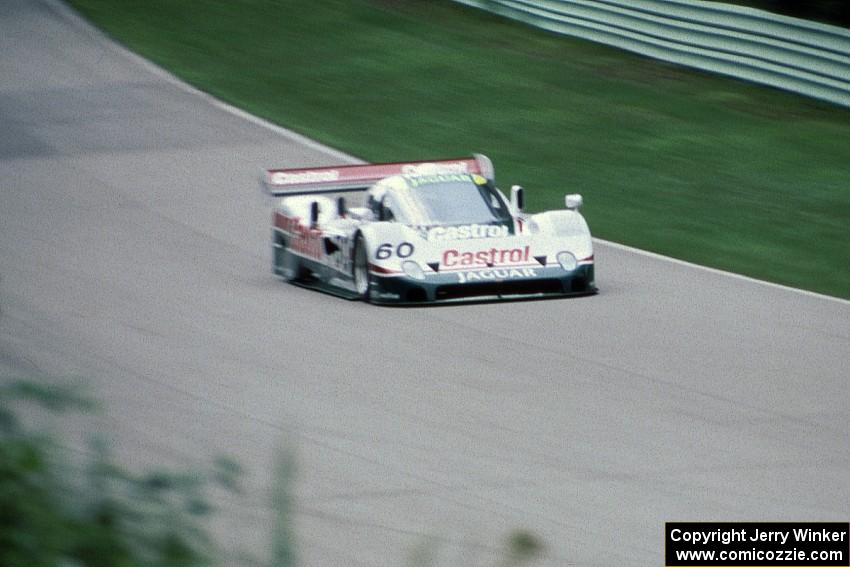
x=283 y=178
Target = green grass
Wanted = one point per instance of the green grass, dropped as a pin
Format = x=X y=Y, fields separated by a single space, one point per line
x=691 y=165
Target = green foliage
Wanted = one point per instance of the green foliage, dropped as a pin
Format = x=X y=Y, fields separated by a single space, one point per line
x=107 y=516
x=103 y=516
x=523 y=546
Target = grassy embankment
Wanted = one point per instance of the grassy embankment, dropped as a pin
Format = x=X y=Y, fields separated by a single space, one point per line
x=695 y=166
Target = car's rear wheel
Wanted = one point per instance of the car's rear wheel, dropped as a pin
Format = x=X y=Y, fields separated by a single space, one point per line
x=360 y=269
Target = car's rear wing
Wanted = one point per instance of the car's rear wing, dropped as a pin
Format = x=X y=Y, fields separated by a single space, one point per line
x=341 y=178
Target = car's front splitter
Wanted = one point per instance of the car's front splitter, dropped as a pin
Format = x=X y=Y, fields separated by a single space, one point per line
x=489 y=284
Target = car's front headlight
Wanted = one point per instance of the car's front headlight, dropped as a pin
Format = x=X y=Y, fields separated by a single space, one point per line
x=567 y=261
x=413 y=269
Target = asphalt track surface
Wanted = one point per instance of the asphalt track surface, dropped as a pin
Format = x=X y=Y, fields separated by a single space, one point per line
x=134 y=253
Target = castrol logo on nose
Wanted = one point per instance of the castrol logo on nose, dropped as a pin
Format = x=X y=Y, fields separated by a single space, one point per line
x=491 y=257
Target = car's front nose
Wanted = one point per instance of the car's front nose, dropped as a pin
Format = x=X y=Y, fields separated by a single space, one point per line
x=482 y=283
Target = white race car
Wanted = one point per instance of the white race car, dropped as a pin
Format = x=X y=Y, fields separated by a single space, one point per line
x=427 y=232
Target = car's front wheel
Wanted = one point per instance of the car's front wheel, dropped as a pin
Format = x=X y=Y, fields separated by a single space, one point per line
x=360 y=269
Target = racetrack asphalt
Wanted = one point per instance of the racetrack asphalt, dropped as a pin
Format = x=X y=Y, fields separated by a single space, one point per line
x=134 y=253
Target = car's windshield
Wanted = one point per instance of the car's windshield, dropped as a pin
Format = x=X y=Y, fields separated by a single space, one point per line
x=459 y=202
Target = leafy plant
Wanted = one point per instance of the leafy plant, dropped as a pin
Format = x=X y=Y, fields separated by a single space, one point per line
x=102 y=516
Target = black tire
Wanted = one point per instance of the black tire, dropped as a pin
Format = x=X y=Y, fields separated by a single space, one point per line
x=360 y=269
x=278 y=241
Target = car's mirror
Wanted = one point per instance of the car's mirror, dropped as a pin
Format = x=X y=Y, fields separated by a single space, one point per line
x=517 y=198
x=314 y=214
x=574 y=201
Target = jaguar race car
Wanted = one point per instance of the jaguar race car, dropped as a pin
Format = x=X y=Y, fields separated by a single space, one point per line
x=424 y=232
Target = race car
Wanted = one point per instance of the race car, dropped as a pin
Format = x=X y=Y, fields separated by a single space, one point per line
x=424 y=232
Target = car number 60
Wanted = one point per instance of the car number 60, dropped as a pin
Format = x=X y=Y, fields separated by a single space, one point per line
x=385 y=250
